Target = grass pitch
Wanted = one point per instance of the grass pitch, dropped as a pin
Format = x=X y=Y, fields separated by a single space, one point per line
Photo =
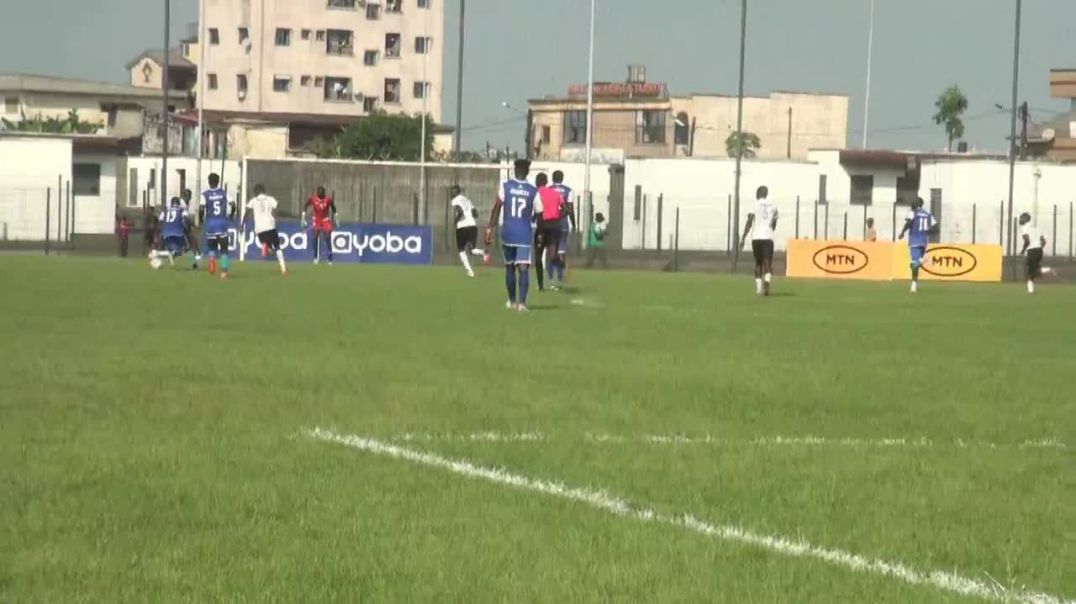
x=153 y=435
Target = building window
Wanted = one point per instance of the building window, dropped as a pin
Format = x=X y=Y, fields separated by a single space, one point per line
x=650 y=127
x=371 y=57
x=547 y=134
x=338 y=90
x=575 y=127
x=241 y=82
x=421 y=89
x=319 y=81
x=11 y=104
x=682 y=130
x=392 y=46
x=86 y=179
x=424 y=3
x=244 y=34
x=283 y=36
x=348 y=4
x=339 y=43
x=392 y=90
x=305 y=34
x=369 y=104
x=393 y=6
x=211 y=81
x=373 y=11
x=281 y=83
x=304 y=81
x=862 y=189
x=214 y=36
x=422 y=44
x=907 y=189
x=319 y=35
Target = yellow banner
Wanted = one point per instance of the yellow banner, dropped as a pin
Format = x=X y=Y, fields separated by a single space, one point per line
x=884 y=261
x=840 y=260
x=982 y=263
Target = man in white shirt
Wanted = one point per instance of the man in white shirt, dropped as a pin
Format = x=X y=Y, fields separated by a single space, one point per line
x=1034 y=242
x=263 y=207
x=465 y=216
x=764 y=219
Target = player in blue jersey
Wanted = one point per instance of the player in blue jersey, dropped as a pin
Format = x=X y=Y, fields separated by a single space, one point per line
x=567 y=225
x=521 y=205
x=217 y=213
x=173 y=224
x=918 y=226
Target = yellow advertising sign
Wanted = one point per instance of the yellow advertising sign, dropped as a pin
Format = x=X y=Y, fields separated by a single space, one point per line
x=840 y=260
x=982 y=263
x=888 y=261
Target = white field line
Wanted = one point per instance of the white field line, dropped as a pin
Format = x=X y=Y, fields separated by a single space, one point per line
x=938 y=579
x=761 y=441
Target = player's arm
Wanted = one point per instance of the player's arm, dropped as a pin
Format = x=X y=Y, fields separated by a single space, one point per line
x=539 y=217
x=494 y=215
x=773 y=223
x=233 y=209
x=1042 y=240
x=747 y=229
x=458 y=211
x=302 y=213
x=332 y=208
x=907 y=226
x=1027 y=244
x=572 y=226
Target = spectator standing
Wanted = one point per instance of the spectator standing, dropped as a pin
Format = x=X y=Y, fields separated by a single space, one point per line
x=596 y=242
x=123 y=231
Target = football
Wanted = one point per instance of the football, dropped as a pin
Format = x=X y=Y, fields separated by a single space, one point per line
x=155 y=263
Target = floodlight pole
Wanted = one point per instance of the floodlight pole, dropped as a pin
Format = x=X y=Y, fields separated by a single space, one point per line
x=739 y=139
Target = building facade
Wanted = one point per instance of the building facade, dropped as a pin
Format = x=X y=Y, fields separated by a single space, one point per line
x=1059 y=136
x=321 y=57
x=640 y=119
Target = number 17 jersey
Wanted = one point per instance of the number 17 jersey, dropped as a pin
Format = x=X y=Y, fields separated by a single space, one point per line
x=520 y=199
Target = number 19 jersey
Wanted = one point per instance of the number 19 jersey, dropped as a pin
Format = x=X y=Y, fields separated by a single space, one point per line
x=520 y=199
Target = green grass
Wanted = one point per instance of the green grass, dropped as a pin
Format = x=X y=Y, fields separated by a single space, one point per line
x=151 y=432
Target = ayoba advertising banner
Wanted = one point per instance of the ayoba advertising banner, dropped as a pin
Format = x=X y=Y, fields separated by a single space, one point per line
x=363 y=243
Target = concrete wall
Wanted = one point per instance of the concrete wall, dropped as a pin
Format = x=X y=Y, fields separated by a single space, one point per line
x=58 y=105
x=96 y=214
x=29 y=169
x=138 y=171
x=261 y=60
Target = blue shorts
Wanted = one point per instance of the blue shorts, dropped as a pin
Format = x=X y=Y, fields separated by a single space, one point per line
x=175 y=244
x=917 y=252
x=517 y=254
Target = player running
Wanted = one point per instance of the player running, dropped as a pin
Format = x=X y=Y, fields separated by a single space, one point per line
x=522 y=204
x=764 y=220
x=263 y=207
x=547 y=235
x=466 y=217
x=1034 y=243
x=323 y=220
x=918 y=225
x=173 y=225
x=216 y=213
x=567 y=225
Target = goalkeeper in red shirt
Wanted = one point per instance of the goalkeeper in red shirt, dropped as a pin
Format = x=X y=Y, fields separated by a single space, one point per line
x=323 y=220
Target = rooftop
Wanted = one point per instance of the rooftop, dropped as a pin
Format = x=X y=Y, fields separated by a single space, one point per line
x=10 y=82
x=176 y=60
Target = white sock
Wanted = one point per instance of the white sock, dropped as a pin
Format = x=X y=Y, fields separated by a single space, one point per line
x=478 y=252
x=280 y=260
x=1046 y=270
x=171 y=259
x=768 y=277
x=758 y=286
x=466 y=262
x=1030 y=287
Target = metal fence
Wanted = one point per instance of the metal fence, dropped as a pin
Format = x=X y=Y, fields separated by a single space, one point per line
x=706 y=224
x=39 y=214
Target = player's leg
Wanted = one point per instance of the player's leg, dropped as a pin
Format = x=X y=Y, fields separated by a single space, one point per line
x=1034 y=268
x=552 y=248
x=329 y=240
x=510 y=273
x=917 y=253
x=757 y=253
x=539 y=252
x=767 y=266
x=523 y=263
x=463 y=244
x=225 y=259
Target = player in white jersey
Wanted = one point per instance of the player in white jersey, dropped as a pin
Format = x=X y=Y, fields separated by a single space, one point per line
x=263 y=206
x=1034 y=242
x=764 y=220
x=465 y=216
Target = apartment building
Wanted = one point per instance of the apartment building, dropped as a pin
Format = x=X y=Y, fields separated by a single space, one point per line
x=345 y=58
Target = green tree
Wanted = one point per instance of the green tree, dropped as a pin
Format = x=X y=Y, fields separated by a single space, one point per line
x=72 y=124
x=380 y=136
x=751 y=144
x=951 y=104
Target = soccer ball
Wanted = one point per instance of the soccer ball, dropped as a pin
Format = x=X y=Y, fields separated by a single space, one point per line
x=155 y=263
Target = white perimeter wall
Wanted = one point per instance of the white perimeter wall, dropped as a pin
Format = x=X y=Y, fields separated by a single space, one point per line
x=96 y=214
x=140 y=169
x=29 y=168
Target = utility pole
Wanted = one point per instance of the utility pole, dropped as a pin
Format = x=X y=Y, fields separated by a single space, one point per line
x=788 y=153
x=739 y=138
x=1012 y=131
x=1024 y=117
x=459 y=82
x=164 y=106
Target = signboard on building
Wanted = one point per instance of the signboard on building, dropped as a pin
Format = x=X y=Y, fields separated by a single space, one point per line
x=622 y=90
